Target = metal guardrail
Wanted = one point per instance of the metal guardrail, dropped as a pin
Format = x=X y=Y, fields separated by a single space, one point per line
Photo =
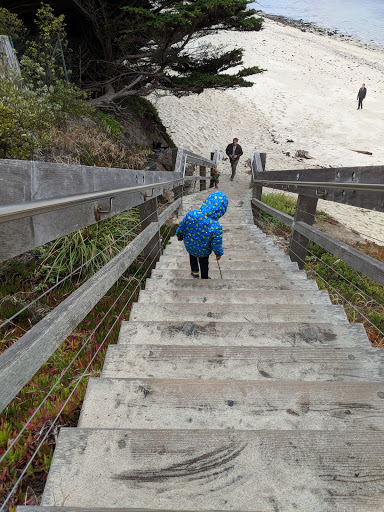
x=22 y=359
x=31 y=208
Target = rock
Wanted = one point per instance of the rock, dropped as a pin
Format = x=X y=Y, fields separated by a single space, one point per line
x=164 y=161
x=85 y=121
x=300 y=153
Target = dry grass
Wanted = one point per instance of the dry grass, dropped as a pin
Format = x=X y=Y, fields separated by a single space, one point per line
x=90 y=145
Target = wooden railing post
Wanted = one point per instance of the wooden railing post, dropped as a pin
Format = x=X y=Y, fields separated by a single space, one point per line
x=177 y=165
x=257 y=191
x=305 y=212
x=203 y=174
x=213 y=153
x=148 y=214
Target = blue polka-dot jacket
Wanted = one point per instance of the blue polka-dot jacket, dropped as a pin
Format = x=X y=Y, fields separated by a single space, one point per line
x=200 y=229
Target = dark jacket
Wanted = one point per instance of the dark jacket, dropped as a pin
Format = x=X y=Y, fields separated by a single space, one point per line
x=362 y=93
x=201 y=230
x=238 y=150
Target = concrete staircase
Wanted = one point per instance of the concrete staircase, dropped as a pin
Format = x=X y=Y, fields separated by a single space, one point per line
x=249 y=393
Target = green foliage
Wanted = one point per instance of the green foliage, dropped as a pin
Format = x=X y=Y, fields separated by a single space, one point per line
x=165 y=15
x=196 y=71
x=25 y=120
x=10 y=24
x=150 y=45
x=45 y=52
x=110 y=125
x=67 y=253
x=280 y=202
x=143 y=108
x=32 y=106
x=197 y=82
x=97 y=327
x=27 y=115
x=362 y=298
x=253 y=70
x=353 y=289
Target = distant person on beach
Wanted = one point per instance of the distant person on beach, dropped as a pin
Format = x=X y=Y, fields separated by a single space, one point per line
x=234 y=152
x=361 y=95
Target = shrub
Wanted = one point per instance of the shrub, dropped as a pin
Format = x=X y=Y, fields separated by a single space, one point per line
x=90 y=145
x=25 y=120
x=62 y=97
x=46 y=50
x=144 y=107
x=10 y=24
x=110 y=125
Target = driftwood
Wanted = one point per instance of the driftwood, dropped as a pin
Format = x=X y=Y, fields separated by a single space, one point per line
x=362 y=152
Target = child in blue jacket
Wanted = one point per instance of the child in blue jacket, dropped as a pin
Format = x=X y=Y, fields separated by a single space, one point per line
x=203 y=234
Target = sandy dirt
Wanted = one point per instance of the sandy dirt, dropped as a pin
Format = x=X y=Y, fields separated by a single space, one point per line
x=308 y=95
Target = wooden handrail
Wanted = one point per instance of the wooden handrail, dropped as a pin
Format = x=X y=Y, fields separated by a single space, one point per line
x=22 y=360
x=355 y=186
x=37 y=180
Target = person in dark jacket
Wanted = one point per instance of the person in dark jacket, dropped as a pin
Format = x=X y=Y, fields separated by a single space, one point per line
x=202 y=233
x=234 y=152
x=361 y=95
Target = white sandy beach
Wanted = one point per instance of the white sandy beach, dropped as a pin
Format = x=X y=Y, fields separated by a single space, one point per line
x=307 y=94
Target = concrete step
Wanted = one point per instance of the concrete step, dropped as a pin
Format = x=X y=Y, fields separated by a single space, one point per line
x=231 y=404
x=234 y=297
x=262 y=266
x=206 y=470
x=230 y=284
x=277 y=274
x=239 y=312
x=243 y=363
x=244 y=334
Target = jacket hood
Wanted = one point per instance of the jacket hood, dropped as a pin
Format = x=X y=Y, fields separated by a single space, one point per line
x=215 y=205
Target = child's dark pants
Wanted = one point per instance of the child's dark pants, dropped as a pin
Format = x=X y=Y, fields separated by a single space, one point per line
x=204 y=265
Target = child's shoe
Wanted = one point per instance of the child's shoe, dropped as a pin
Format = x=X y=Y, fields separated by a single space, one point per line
x=195 y=275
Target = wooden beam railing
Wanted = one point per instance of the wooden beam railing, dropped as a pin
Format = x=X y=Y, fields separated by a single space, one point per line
x=354 y=186
x=366 y=193
x=28 y=204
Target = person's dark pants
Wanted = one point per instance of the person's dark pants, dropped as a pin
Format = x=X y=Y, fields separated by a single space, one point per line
x=204 y=265
x=234 y=163
x=360 y=103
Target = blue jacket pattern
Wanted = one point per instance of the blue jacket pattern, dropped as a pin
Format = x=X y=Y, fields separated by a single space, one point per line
x=201 y=230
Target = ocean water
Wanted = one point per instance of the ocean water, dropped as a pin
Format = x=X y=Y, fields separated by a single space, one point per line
x=360 y=18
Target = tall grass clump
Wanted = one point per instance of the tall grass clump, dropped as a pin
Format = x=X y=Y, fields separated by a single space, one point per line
x=79 y=249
